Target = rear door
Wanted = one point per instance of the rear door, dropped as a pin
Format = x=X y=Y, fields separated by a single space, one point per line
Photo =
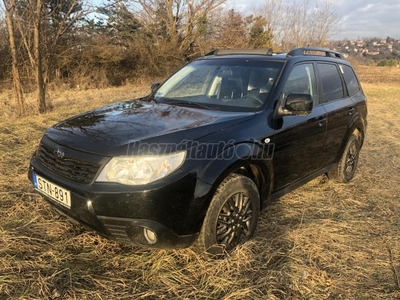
x=299 y=141
x=338 y=105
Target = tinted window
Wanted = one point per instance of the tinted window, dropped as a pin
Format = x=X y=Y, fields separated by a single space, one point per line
x=302 y=80
x=332 y=88
x=351 y=80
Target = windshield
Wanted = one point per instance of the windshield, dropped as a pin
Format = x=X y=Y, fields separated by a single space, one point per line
x=226 y=84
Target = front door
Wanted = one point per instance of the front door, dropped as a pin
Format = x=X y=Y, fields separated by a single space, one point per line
x=300 y=140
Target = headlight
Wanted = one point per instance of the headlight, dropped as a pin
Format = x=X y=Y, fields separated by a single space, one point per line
x=137 y=170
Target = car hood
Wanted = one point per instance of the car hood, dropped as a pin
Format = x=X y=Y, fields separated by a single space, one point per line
x=110 y=130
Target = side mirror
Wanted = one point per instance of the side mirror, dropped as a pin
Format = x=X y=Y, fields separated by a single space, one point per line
x=297 y=104
x=155 y=86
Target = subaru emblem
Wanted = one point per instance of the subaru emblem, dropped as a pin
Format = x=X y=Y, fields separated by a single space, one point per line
x=60 y=154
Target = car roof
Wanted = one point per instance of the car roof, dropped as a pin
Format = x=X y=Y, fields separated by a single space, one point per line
x=298 y=54
x=245 y=56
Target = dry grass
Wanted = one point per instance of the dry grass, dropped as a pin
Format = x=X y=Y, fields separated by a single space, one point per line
x=323 y=241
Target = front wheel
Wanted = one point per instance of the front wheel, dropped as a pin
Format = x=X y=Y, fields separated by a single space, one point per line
x=348 y=162
x=232 y=216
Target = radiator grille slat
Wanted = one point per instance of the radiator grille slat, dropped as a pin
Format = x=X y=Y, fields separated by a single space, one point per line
x=76 y=170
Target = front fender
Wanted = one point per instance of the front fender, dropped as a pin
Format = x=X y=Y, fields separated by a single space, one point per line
x=237 y=157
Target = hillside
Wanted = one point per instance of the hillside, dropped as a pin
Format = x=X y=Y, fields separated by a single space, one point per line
x=323 y=241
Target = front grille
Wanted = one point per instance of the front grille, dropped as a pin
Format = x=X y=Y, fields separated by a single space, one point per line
x=76 y=170
x=118 y=232
x=124 y=230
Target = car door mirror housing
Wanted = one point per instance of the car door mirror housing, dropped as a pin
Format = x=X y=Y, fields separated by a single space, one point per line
x=297 y=104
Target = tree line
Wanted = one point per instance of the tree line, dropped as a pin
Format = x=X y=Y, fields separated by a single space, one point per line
x=73 y=43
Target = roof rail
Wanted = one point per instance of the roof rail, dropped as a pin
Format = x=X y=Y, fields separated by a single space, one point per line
x=306 y=51
x=265 y=51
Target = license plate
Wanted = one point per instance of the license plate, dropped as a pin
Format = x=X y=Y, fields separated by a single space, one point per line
x=51 y=190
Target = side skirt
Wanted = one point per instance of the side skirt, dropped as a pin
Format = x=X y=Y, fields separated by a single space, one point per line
x=277 y=194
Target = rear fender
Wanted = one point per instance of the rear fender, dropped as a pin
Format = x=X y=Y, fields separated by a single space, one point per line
x=358 y=128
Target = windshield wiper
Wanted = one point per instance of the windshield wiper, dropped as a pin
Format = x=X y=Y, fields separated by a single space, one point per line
x=152 y=99
x=187 y=103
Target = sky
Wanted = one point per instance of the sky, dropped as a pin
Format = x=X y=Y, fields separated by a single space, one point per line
x=366 y=18
x=359 y=18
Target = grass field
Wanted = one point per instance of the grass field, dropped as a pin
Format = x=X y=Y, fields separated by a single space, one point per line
x=323 y=241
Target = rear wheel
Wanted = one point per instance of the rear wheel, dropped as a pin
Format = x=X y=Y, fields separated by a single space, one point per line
x=232 y=216
x=348 y=162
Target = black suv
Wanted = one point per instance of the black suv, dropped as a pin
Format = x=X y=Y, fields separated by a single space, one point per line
x=195 y=161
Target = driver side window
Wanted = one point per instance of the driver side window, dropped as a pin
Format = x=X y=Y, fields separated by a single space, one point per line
x=302 y=81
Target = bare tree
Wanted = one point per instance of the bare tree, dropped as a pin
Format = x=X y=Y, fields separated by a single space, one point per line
x=301 y=22
x=176 y=23
x=41 y=25
x=272 y=11
x=296 y=24
x=17 y=86
x=5 y=62
x=323 y=22
x=37 y=54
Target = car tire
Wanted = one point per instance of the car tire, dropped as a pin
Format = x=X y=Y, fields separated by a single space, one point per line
x=347 y=165
x=232 y=216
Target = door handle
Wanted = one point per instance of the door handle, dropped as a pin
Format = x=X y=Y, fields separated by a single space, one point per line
x=351 y=110
x=321 y=121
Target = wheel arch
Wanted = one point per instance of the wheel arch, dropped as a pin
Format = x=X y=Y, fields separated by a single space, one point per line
x=357 y=128
x=252 y=161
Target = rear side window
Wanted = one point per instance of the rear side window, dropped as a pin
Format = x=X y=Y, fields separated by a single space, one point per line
x=332 y=88
x=351 y=80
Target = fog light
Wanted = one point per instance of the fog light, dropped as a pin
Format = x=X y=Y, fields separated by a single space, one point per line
x=150 y=236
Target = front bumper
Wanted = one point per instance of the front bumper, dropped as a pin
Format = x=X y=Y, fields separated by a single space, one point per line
x=173 y=211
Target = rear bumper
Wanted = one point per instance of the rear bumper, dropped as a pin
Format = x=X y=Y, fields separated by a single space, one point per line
x=173 y=211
